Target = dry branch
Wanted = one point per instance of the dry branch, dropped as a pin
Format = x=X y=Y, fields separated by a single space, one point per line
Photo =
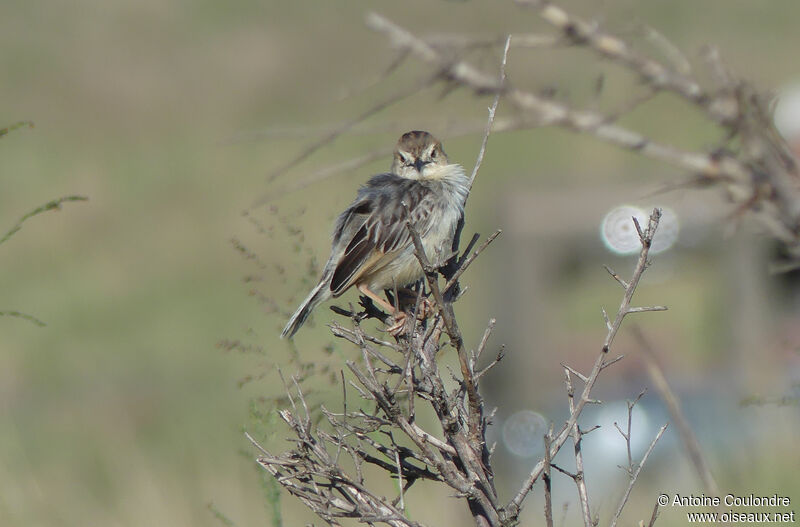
x=548 y=112
x=632 y=470
x=760 y=177
x=634 y=474
x=459 y=458
x=577 y=437
x=513 y=508
x=721 y=108
x=397 y=378
x=492 y=111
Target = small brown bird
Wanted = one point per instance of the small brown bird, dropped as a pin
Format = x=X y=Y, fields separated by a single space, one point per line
x=372 y=247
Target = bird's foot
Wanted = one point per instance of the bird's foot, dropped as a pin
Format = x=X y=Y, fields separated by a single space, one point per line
x=399 y=324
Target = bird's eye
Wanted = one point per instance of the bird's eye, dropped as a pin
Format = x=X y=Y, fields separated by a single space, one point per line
x=434 y=154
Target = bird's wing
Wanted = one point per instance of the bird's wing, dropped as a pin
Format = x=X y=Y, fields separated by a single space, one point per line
x=374 y=228
x=391 y=229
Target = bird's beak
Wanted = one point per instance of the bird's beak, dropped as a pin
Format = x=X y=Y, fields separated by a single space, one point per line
x=418 y=164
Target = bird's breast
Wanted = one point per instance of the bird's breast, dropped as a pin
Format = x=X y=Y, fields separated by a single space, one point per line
x=451 y=195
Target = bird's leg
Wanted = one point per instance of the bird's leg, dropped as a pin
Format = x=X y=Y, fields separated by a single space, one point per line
x=398 y=315
x=377 y=299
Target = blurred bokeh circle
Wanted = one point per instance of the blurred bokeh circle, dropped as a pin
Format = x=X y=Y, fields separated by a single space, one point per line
x=786 y=112
x=619 y=233
x=523 y=433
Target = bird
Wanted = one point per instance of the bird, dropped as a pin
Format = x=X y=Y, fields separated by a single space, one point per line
x=372 y=248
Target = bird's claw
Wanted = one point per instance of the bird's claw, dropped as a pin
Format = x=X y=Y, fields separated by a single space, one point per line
x=399 y=324
x=399 y=319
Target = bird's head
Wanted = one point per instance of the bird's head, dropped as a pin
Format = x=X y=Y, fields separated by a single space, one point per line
x=418 y=155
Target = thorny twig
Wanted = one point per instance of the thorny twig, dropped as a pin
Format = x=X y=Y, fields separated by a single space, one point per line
x=458 y=458
x=577 y=438
x=548 y=498
x=492 y=112
x=313 y=473
x=634 y=473
x=513 y=507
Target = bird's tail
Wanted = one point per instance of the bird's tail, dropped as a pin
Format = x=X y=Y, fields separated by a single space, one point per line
x=317 y=295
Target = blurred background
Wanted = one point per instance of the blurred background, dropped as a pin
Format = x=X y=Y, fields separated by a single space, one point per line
x=164 y=294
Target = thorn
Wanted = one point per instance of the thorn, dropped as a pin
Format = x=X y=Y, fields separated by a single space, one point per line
x=612 y=361
x=645 y=309
x=616 y=277
x=574 y=372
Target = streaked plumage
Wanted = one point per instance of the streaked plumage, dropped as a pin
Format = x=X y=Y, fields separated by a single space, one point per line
x=372 y=248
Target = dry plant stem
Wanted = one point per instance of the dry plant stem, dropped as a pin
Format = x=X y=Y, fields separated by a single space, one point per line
x=670 y=50
x=625 y=307
x=492 y=111
x=635 y=474
x=468 y=260
x=627 y=435
x=654 y=516
x=548 y=498
x=470 y=480
x=24 y=316
x=312 y=471
x=454 y=332
x=422 y=439
x=521 y=40
x=654 y=73
x=549 y=112
x=577 y=437
x=512 y=509
x=689 y=440
x=400 y=481
x=719 y=72
x=484 y=339
x=50 y=205
x=471 y=447
x=15 y=126
x=328 y=500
